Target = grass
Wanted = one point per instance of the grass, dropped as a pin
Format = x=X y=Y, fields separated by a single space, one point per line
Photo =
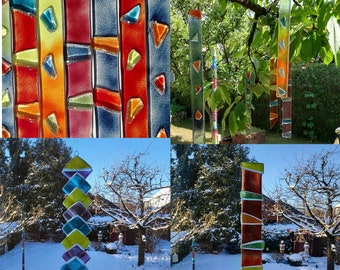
x=181 y=133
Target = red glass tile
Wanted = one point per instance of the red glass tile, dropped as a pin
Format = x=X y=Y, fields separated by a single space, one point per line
x=80 y=123
x=77 y=14
x=79 y=77
x=24 y=28
x=107 y=99
x=26 y=84
x=28 y=128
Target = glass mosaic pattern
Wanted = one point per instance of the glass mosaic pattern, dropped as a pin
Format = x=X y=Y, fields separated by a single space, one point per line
x=77 y=201
x=251 y=216
x=71 y=68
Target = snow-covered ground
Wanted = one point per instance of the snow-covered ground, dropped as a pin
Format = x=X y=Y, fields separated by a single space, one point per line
x=233 y=262
x=42 y=256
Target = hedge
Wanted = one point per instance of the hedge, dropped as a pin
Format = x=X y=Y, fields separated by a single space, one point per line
x=316 y=103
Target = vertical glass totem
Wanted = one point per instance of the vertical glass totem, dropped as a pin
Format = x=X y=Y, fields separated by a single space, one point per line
x=214 y=124
x=251 y=216
x=248 y=98
x=77 y=214
x=196 y=75
x=274 y=102
x=283 y=66
x=71 y=68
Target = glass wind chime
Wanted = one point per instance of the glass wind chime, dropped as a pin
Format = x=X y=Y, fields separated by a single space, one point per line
x=280 y=74
x=251 y=216
x=77 y=214
x=71 y=69
x=196 y=75
x=214 y=123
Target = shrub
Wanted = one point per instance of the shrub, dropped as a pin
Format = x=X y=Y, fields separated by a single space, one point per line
x=295 y=259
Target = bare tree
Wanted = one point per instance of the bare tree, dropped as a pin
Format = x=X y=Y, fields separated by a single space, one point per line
x=315 y=184
x=141 y=192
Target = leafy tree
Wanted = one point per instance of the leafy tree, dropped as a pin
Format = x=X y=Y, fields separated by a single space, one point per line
x=32 y=182
x=133 y=183
x=315 y=185
x=208 y=206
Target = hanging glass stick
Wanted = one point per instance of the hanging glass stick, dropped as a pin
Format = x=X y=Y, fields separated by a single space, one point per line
x=214 y=124
x=196 y=75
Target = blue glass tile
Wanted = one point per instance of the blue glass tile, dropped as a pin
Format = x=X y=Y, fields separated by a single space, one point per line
x=108 y=123
x=77 y=180
x=106 y=71
x=76 y=223
x=24 y=5
x=48 y=66
x=105 y=17
x=131 y=16
x=49 y=20
x=76 y=52
x=74 y=264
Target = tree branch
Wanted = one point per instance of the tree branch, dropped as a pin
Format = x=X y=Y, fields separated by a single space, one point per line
x=259 y=10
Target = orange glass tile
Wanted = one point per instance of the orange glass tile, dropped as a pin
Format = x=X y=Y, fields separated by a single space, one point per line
x=134 y=106
x=108 y=44
x=108 y=99
x=5 y=132
x=159 y=32
x=198 y=115
x=162 y=133
x=30 y=110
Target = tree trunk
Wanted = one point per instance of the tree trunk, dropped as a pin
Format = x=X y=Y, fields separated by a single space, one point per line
x=330 y=253
x=141 y=246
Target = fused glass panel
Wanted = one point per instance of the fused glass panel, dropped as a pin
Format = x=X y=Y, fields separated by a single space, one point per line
x=87 y=68
x=76 y=229
x=196 y=76
x=251 y=215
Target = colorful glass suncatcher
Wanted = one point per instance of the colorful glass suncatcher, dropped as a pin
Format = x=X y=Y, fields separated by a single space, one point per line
x=251 y=216
x=196 y=75
x=74 y=70
x=283 y=71
x=77 y=201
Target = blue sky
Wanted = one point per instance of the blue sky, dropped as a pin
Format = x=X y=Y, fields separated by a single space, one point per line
x=278 y=157
x=102 y=153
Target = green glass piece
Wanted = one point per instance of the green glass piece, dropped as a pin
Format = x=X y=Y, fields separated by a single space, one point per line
x=254 y=245
x=81 y=101
x=75 y=237
x=6 y=99
x=133 y=59
x=253 y=166
x=77 y=163
x=77 y=196
x=6 y=29
x=250 y=196
x=52 y=124
x=256 y=267
x=27 y=58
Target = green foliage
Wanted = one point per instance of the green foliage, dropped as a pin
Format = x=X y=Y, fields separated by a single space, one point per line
x=33 y=181
x=316 y=93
